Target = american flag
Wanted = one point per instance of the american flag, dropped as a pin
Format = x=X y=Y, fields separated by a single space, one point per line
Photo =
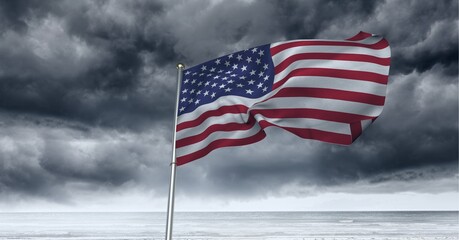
x=325 y=90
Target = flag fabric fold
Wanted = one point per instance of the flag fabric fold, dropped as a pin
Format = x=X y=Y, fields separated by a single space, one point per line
x=325 y=90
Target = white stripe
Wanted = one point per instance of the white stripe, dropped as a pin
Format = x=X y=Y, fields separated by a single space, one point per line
x=338 y=84
x=281 y=56
x=321 y=104
x=215 y=136
x=333 y=64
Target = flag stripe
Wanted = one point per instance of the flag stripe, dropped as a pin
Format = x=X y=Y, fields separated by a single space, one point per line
x=182 y=159
x=279 y=48
x=331 y=94
x=278 y=58
x=336 y=83
x=329 y=126
x=331 y=56
x=229 y=122
x=212 y=113
x=332 y=64
x=336 y=73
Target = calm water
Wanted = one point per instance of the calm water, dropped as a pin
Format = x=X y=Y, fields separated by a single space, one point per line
x=240 y=225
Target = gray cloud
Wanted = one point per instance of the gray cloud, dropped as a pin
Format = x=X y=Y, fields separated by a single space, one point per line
x=87 y=91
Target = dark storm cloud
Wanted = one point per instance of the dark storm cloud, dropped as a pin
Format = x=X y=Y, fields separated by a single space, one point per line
x=87 y=91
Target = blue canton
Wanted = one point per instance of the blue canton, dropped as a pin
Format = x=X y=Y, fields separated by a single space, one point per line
x=248 y=73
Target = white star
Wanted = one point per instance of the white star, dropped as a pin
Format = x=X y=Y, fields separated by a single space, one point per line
x=213 y=95
x=230 y=81
x=183 y=99
x=222 y=86
x=265 y=89
x=191 y=100
x=225 y=78
x=249 y=59
x=186 y=80
x=217 y=61
x=194 y=73
x=230 y=56
x=182 y=109
x=197 y=101
x=228 y=72
x=248 y=91
x=243 y=77
x=187 y=72
x=252 y=72
x=201 y=74
x=244 y=68
x=260 y=85
x=258 y=61
x=192 y=82
x=185 y=90
x=265 y=66
x=192 y=91
x=214 y=85
x=233 y=75
x=260 y=74
x=200 y=83
x=239 y=85
x=228 y=90
x=212 y=69
x=207 y=83
x=210 y=74
x=206 y=93
x=199 y=92
x=251 y=82
x=254 y=50
x=203 y=68
x=227 y=63
x=239 y=57
x=220 y=71
x=234 y=66
x=216 y=77
x=260 y=53
x=266 y=78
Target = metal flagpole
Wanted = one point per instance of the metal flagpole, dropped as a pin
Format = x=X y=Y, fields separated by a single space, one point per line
x=170 y=204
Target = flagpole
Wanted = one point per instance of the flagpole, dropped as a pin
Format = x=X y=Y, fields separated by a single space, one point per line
x=170 y=204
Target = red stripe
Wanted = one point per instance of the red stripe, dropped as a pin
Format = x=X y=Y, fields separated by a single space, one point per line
x=212 y=113
x=360 y=36
x=356 y=130
x=279 y=48
x=331 y=94
x=336 y=73
x=219 y=144
x=331 y=56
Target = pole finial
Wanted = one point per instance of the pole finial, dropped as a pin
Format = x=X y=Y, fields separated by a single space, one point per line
x=180 y=65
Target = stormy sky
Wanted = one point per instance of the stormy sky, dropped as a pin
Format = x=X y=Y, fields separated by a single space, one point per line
x=87 y=91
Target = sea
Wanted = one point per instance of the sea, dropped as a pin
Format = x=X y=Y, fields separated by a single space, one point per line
x=231 y=225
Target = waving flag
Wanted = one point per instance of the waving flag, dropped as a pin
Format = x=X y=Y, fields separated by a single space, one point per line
x=325 y=90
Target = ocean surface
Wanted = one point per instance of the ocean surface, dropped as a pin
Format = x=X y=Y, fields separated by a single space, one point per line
x=232 y=225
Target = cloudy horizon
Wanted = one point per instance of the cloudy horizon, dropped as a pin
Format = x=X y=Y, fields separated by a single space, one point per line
x=87 y=91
